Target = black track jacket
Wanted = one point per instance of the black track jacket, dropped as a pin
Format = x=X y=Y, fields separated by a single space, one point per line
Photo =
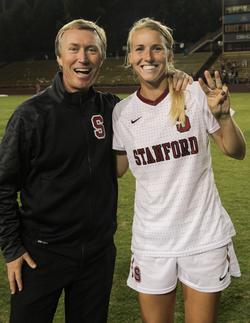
x=57 y=152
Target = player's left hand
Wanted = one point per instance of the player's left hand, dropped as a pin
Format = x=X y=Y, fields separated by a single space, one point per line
x=217 y=95
x=181 y=80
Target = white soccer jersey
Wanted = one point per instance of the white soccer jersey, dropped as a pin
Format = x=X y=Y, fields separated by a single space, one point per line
x=177 y=209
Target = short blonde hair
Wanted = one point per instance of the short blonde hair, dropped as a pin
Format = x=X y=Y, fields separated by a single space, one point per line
x=178 y=100
x=82 y=24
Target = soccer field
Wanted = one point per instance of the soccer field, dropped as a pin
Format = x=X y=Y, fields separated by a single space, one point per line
x=232 y=178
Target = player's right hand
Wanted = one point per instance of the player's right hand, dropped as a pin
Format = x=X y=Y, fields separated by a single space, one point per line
x=14 y=271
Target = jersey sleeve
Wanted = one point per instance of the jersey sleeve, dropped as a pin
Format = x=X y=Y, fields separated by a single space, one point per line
x=118 y=143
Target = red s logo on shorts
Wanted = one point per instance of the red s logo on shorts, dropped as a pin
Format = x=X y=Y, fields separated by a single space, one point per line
x=135 y=271
x=137 y=274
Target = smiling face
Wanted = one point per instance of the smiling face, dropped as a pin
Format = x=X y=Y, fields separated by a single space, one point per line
x=148 y=56
x=80 y=58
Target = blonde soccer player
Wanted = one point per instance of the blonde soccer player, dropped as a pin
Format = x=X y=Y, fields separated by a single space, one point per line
x=180 y=229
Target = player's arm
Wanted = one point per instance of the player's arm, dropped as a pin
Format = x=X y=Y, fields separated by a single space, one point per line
x=229 y=137
x=121 y=163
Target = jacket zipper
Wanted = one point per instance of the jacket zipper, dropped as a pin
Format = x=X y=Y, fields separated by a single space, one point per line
x=90 y=222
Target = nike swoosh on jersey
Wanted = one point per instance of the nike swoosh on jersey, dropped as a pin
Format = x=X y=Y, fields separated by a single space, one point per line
x=133 y=121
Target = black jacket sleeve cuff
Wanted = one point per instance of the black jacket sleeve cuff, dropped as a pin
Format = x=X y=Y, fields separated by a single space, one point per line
x=12 y=251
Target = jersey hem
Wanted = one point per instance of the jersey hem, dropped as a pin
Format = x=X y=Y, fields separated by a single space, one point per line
x=181 y=253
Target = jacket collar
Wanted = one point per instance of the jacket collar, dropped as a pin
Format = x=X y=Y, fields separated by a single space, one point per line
x=59 y=93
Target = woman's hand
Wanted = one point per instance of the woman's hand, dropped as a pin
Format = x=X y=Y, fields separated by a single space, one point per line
x=217 y=95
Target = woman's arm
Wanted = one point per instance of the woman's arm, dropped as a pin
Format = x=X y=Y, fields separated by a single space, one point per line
x=229 y=137
x=121 y=163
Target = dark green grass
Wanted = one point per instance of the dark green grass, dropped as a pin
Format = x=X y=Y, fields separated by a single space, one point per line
x=233 y=181
x=7 y=104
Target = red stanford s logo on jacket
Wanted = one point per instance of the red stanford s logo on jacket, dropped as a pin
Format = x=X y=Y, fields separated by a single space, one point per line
x=98 y=125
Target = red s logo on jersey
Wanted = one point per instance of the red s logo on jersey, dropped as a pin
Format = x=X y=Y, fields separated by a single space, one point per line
x=185 y=127
x=98 y=125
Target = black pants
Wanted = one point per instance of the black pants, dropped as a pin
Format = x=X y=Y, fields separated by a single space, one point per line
x=86 y=284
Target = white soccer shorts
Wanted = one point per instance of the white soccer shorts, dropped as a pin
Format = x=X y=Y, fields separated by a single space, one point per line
x=210 y=271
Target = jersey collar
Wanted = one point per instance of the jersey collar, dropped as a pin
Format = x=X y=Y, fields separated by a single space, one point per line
x=152 y=102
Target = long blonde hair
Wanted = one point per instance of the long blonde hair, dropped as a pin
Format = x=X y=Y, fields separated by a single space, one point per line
x=177 y=111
